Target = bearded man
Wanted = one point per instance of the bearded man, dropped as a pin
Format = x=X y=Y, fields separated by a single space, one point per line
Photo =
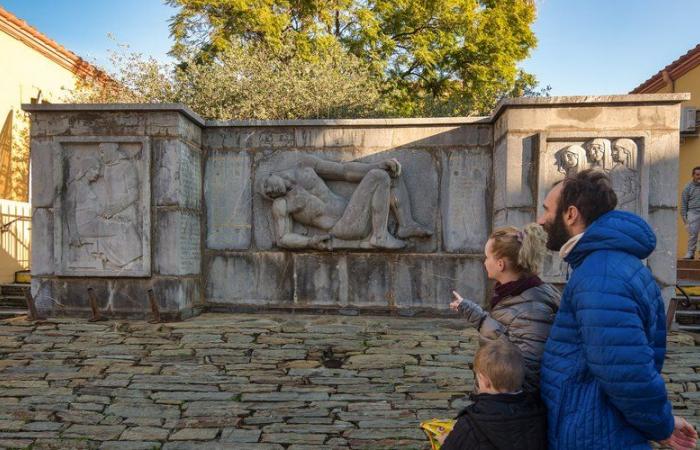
x=601 y=368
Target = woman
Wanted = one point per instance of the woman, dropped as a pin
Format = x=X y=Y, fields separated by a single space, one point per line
x=523 y=306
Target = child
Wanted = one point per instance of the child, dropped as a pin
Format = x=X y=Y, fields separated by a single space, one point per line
x=502 y=415
x=523 y=307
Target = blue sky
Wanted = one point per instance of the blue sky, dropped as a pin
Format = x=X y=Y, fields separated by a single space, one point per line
x=585 y=46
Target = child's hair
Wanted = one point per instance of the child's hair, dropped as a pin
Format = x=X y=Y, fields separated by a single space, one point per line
x=502 y=363
x=524 y=249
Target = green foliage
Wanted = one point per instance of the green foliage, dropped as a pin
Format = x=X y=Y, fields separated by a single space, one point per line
x=435 y=57
x=251 y=82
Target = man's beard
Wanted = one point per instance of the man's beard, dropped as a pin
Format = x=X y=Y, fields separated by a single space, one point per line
x=557 y=235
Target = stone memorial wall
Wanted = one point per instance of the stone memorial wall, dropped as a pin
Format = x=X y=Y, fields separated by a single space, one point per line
x=381 y=215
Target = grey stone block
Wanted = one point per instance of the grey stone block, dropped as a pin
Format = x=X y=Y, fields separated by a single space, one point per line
x=428 y=281
x=436 y=136
x=228 y=196
x=107 y=123
x=662 y=159
x=42 y=289
x=662 y=261
x=42 y=241
x=521 y=154
x=49 y=124
x=247 y=138
x=464 y=200
x=500 y=165
x=126 y=296
x=250 y=278
x=189 y=131
x=177 y=249
x=387 y=281
x=43 y=189
x=516 y=217
x=178 y=175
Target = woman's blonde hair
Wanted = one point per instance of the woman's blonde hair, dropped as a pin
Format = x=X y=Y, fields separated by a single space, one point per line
x=523 y=249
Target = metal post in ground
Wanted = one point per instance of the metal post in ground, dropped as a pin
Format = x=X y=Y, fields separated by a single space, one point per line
x=96 y=316
x=31 y=307
x=154 y=307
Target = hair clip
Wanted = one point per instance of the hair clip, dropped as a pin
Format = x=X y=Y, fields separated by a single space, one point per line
x=520 y=236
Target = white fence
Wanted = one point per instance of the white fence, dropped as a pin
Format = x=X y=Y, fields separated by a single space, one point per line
x=15 y=238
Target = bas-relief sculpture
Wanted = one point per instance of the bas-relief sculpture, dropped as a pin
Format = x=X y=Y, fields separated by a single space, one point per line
x=300 y=195
x=101 y=205
x=618 y=158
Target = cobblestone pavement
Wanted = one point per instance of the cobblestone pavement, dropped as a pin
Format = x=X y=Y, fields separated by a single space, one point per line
x=242 y=381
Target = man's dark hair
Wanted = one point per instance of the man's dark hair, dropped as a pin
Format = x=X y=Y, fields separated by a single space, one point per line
x=694 y=169
x=591 y=192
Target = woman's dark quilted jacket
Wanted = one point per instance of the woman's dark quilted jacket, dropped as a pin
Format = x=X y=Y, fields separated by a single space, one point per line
x=524 y=320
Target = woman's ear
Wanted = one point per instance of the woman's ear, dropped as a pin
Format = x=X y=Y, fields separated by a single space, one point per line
x=501 y=263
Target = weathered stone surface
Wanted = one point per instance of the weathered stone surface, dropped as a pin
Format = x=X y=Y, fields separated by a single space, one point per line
x=125 y=296
x=104 y=206
x=228 y=195
x=144 y=434
x=661 y=157
x=195 y=434
x=177 y=178
x=241 y=278
x=410 y=281
x=235 y=435
x=43 y=190
x=42 y=249
x=177 y=248
x=372 y=362
x=94 y=432
x=662 y=261
x=465 y=189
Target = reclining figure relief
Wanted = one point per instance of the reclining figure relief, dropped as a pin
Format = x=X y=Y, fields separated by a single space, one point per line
x=300 y=194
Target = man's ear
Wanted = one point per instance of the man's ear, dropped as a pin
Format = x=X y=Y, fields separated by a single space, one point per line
x=572 y=216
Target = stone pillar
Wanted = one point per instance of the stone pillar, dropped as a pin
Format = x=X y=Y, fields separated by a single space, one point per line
x=537 y=141
x=116 y=196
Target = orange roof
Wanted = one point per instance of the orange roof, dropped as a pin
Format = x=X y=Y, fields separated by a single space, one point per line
x=673 y=71
x=21 y=30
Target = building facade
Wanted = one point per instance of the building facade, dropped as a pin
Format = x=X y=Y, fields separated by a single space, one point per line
x=682 y=75
x=35 y=69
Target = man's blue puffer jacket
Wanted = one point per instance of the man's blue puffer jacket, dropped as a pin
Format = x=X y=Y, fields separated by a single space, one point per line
x=601 y=367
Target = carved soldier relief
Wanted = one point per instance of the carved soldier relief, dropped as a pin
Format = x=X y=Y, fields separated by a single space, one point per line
x=306 y=213
x=101 y=230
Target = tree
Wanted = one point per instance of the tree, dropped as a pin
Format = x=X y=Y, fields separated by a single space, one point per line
x=243 y=83
x=452 y=57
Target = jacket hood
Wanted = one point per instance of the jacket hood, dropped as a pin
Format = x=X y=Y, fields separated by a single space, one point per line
x=617 y=230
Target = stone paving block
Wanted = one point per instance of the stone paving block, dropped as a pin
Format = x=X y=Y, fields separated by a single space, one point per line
x=133 y=445
x=95 y=432
x=197 y=434
x=238 y=435
x=144 y=434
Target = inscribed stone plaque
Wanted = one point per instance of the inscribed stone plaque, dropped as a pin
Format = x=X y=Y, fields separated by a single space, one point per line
x=465 y=185
x=177 y=243
x=102 y=212
x=227 y=191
